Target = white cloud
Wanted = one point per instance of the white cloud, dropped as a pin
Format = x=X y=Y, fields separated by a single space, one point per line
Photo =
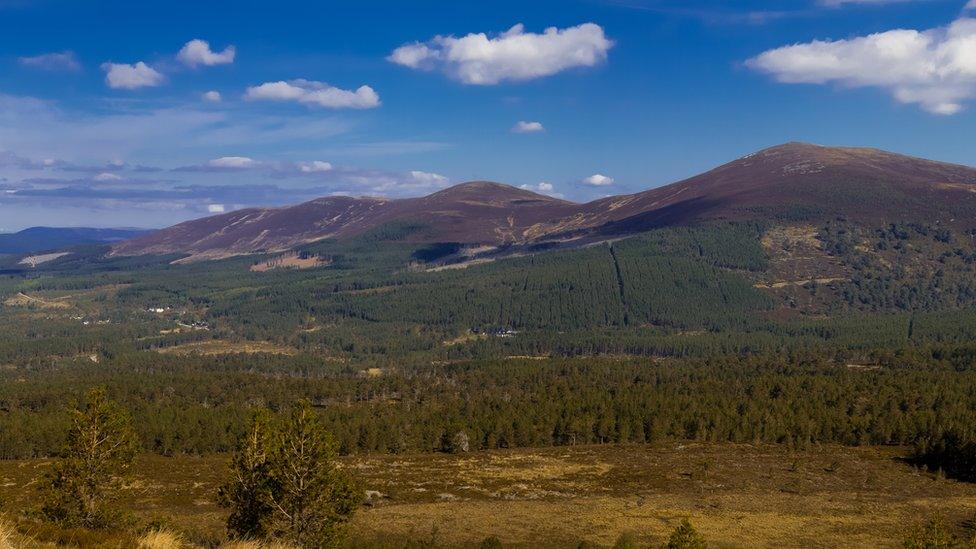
x=59 y=61
x=598 y=180
x=428 y=178
x=315 y=166
x=527 y=127
x=309 y=92
x=105 y=176
x=971 y=5
x=232 y=163
x=130 y=77
x=935 y=69
x=514 y=55
x=542 y=188
x=197 y=52
x=216 y=208
x=213 y=96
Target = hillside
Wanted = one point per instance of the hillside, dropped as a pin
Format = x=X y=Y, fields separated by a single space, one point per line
x=39 y=239
x=803 y=182
x=471 y=213
x=791 y=182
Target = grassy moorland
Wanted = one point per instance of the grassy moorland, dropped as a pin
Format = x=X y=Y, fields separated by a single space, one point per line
x=735 y=495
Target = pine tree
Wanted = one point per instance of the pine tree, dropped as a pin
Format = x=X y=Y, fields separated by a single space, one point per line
x=285 y=482
x=100 y=448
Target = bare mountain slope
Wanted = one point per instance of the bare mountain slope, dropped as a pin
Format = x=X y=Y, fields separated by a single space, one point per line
x=478 y=212
x=787 y=182
x=799 y=180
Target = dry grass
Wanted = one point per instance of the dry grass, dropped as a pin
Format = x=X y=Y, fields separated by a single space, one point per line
x=467 y=337
x=24 y=300
x=256 y=545
x=162 y=539
x=289 y=261
x=216 y=347
x=736 y=495
x=10 y=538
x=7 y=536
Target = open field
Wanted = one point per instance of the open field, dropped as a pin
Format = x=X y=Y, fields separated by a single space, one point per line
x=737 y=495
x=215 y=347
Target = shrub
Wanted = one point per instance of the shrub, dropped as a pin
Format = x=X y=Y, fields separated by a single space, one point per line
x=626 y=540
x=934 y=534
x=685 y=537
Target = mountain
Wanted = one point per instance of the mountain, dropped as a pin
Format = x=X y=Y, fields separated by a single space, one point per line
x=802 y=181
x=790 y=182
x=39 y=239
x=478 y=212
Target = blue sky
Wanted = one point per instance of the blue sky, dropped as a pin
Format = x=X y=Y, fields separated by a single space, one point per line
x=106 y=120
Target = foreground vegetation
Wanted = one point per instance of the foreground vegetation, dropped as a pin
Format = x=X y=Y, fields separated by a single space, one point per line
x=734 y=495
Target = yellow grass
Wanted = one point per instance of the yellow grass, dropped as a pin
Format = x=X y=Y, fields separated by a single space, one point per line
x=256 y=545
x=24 y=300
x=737 y=495
x=162 y=539
x=289 y=261
x=221 y=347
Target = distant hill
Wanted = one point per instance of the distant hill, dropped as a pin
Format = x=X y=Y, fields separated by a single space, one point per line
x=791 y=182
x=40 y=239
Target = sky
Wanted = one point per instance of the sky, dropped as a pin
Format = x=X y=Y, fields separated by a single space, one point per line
x=145 y=114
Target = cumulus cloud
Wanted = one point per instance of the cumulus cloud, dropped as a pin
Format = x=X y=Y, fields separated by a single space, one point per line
x=213 y=96
x=542 y=188
x=513 y=55
x=527 y=127
x=429 y=178
x=106 y=176
x=216 y=208
x=197 y=52
x=130 y=77
x=598 y=180
x=232 y=163
x=935 y=69
x=58 y=61
x=315 y=166
x=310 y=92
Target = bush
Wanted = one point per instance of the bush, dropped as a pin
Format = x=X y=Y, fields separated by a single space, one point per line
x=626 y=540
x=934 y=534
x=685 y=537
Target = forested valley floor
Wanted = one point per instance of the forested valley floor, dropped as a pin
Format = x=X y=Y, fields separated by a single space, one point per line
x=787 y=384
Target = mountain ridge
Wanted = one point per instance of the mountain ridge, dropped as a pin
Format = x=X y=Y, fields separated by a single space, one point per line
x=39 y=239
x=794 y=180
